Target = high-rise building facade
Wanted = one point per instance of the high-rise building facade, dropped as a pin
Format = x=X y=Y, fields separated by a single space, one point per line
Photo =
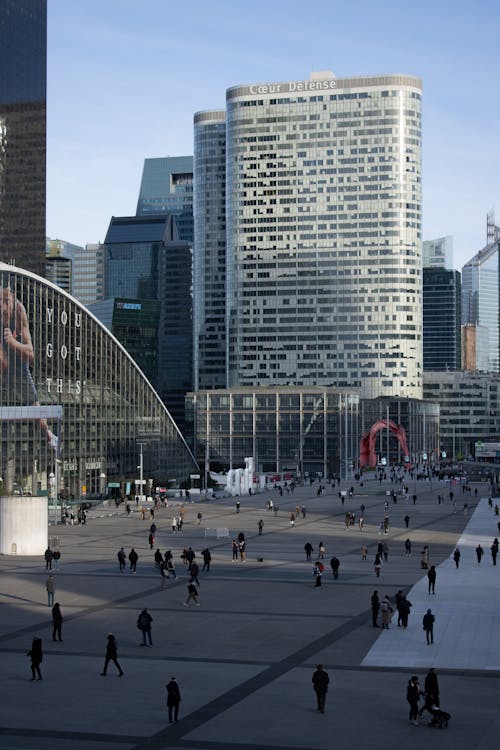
x=23 y=84
x=167 y=187
x=209 y=258
x=438 y=253
x=146 y=260
x=323 y=213
x=442 y=319
x=480 y=301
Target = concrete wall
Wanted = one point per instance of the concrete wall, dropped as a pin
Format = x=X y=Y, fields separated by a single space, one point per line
x=23 y=525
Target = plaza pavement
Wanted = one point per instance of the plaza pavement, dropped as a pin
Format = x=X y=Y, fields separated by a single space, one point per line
x=245 y=658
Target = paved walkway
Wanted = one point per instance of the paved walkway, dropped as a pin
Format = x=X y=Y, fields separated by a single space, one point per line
x=244 y=659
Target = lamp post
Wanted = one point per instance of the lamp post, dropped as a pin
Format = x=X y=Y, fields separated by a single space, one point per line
x=52 y=484
x=102 y=478
x=141 y=470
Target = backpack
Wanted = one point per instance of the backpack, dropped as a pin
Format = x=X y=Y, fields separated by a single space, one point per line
x=142 y=621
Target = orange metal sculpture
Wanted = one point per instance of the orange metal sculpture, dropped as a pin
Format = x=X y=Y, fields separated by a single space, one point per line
x=367 y=455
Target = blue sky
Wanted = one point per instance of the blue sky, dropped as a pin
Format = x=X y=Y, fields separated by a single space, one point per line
x=126 y=76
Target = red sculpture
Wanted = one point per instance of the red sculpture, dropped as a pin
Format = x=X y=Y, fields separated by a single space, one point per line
x=367 y=455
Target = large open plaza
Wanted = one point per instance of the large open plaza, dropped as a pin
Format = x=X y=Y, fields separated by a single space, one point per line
x=244 y=658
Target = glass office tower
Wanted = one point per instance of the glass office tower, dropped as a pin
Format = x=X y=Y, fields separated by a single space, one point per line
x=480 y=299
x=209 y=258
x=324 y=261
x=167 y=187
x=442 y=319
x=23 y=84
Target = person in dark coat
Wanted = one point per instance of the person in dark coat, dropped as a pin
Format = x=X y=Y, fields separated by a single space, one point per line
x=335 y=564
x=479 y=552
x=144 y=624
x=122 y=559
x=405 y=606
x=317 y=573
x=308 y=549
x=111 y=655
x=36 y=658
x=494 y=551
x=194 y=571
x=133 y=557
x=431 y=575
x=428 y=625
x=431 y=686
x=207 y=558
x=173 y=699
x=57 y=620
x=456 y=557
x=49 y=556
x=320 y=681
x=375 y=608
x=413 y=694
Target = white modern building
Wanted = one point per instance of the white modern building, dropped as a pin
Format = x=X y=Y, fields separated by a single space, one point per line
x=438 y=253
x=323 y=234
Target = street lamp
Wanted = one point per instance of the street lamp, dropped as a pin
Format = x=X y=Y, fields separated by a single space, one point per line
x=102 y=478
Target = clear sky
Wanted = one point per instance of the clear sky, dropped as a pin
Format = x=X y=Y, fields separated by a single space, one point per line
x=126 y=76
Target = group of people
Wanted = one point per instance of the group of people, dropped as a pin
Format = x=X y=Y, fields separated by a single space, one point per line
x=385 y=610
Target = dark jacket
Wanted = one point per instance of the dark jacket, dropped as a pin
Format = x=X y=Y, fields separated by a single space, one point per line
x=173 y=693
x=428 y=621
x=320 y=681
x=111 y=647
x=56 y=615
x=144 y=621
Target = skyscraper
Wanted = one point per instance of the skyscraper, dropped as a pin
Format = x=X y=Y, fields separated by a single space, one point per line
x=438 y=253
x=23 y=74
x=209 y=259
x=480 y=299
x=442 y=319
x=167 y=187
x=323 y=234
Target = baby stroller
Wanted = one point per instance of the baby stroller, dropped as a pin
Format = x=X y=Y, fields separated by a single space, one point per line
x=440 y=718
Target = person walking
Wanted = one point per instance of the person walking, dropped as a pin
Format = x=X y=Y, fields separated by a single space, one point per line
x=173 y=700
x=192 y=595
x=207 y=557
x=404 y=608
x=425 y=557
x=377 y=564
x=407 y=547
x=56 y=556
x=158 y=558
x=431 y=575
x=431 y=687
x=321 y=551
x=320 y=681
x=122 y=559
x=133 y=557
x=260 y=526
x=413 y=694
x=144 y=624
x=494 y=551
x=49 y=556
x=387 y=611
x=428 y=625
x=407 y=521
x=235 y=549
x=364 y=552
x=479 y=552
x=238 y=506
x=111 y=655
x=243 y=550
x=174 y=525
x=375 y=608
x=308 y=550
x=335 y=564
x=151 y=540
x=456 y=557
x=36 y=656
x=194 y=572
x=51 y=588
x=317 y=573
x=57 y=620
